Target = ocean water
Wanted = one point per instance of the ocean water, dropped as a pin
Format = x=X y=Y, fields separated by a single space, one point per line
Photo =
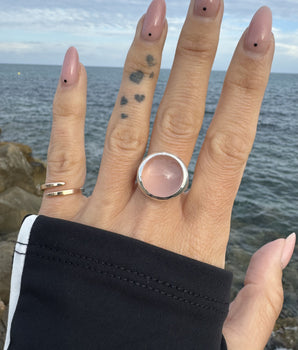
x=266 y=206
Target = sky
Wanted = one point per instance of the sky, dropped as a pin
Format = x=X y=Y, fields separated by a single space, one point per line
x=39 y=31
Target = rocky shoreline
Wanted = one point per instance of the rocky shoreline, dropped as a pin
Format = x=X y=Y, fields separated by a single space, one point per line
x=20 y=176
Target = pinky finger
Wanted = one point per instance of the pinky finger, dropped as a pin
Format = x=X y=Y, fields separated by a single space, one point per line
x=66 y=153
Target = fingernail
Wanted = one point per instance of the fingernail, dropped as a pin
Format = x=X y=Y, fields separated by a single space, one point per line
x=154 y=20
x=70 y=68
x=258 y=36
x=288 y=250
x=206 y=8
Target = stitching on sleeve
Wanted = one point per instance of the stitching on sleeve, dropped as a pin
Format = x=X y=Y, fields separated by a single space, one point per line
x=135 y=272
x=19 y=252
x=130 y=281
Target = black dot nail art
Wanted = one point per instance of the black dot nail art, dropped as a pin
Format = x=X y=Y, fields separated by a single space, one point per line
x=255 y=44
x=65 y=81
x=204 y=8
x=150 y=34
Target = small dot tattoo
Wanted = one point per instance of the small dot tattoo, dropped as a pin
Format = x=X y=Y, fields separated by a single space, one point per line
x=255 y=44
x=124 y=116
x=124 y=101
x=204 y=8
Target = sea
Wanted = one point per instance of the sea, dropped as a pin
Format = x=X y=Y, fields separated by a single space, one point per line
x=266 y=207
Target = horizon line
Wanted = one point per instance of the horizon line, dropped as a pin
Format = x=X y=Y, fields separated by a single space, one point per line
x=91 y=66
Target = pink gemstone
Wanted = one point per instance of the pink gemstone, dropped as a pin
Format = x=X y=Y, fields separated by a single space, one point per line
x=162 y=176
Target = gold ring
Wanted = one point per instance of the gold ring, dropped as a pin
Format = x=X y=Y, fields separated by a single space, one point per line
x=51 y=185
x=64 y=192
x=59 y=193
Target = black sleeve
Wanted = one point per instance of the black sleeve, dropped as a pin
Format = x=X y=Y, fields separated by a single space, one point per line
x=84 y=288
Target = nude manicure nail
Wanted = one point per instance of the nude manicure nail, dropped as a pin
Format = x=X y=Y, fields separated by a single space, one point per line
x=206 y=8
x=154 y=20
x=70 y=68
x=288 y=250
x=258 y=36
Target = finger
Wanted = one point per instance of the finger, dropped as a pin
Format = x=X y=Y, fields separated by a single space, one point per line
x=128 y=128
x=66 y=153
x=232 y=131
x=181 y=111
x=253 y=313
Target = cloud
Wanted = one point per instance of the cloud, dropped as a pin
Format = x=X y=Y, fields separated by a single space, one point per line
x=103 y=29
x=287 y=43
x=74 y=21
x=17 y=47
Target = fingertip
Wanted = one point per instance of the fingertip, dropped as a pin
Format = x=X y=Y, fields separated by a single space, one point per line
x=70 y=68
x=288 y=250
x=154 y=19
x=266 y=262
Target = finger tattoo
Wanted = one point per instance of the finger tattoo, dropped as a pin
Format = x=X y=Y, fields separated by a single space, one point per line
x=139 y=98
x=150 y=61
x=124 y=101
x=137 y=77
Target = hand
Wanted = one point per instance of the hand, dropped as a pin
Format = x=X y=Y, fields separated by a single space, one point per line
x=195 y=224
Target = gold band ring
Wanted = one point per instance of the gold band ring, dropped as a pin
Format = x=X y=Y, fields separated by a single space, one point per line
x=64 y=192
x=59 y=193
x=51 y=185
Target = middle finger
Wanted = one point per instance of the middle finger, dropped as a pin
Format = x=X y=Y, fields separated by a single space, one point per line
x=180 y=115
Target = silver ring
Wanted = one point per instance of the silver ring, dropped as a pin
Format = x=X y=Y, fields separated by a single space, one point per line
x=162 y=176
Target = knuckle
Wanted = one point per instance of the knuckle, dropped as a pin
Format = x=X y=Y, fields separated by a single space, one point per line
x=273 y=298
x=69 y=104
x=243 y=81
x=62 y=110
x=174 y=124
x=125 y=138
x=63 y=162
x=228 y=148
x=136 y=62
x=191 y=45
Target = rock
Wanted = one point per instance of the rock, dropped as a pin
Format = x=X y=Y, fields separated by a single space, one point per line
x=285 y=334
x=2 y=309
x=6 y=249
x=15 y=170
x=15 y=203
x=39 y=175
x=18 y=168
x=25 y=149
x=3 y=322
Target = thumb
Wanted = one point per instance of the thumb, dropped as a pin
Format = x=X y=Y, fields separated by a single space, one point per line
x=253 y=313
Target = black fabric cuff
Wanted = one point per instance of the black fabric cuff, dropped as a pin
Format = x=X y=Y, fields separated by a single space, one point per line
x=86 y=288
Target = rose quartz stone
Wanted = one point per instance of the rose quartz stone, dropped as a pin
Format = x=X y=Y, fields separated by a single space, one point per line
x=162 y=176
